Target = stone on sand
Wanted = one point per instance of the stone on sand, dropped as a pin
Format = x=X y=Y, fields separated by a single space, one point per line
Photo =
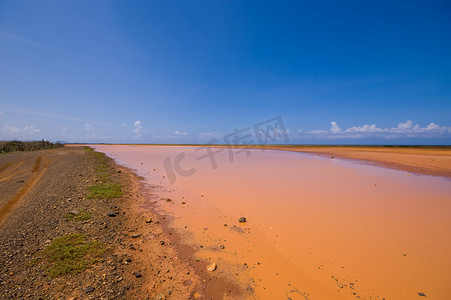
x=212 y=267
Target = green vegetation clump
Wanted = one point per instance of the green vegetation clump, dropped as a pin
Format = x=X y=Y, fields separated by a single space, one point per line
x=28 y=146
x=105 y=190
x=81 y=216
x=71 y=254
x=103 y=172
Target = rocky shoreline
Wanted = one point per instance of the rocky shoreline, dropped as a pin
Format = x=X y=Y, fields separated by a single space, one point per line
x=49 y=210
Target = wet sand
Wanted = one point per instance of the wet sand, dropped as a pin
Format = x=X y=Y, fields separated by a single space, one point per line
x=318 y=228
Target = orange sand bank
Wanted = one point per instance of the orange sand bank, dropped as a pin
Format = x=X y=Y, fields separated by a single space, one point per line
x=434 y=161
x=318 y=228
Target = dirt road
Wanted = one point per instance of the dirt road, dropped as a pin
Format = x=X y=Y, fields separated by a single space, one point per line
x=39 y=189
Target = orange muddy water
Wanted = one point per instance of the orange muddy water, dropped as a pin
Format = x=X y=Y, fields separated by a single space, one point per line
x=317 y=228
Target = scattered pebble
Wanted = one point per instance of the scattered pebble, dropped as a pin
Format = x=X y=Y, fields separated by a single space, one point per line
x=421 y=294
x=160 y=296
x=137 y=274
x=198 y=295
x=242 y=220
x=149 y=220
x=111 y=214
x=212 y=267
x=89 y=289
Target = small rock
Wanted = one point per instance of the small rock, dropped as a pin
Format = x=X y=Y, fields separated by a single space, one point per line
x=119 y=171
x=74 y=212
x=89 y=289
x=137 y=274
x=149 y=220
x=187 y=282
x=421 y=294
x=242 y=220
x=136 y=235
x=211 y=268
x=161 y=242
x=222 y=247
x=111 y=214
x=198 y=295
x=160 y=296
x=183 y=202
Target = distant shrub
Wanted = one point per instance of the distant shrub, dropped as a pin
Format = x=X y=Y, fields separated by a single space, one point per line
x=28 y=146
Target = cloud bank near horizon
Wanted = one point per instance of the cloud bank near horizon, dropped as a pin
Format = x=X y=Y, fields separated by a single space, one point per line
x=136 y=132
x=405 y=129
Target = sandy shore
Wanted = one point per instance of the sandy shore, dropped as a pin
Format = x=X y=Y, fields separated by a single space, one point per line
x=317 y=227
x=433 y=161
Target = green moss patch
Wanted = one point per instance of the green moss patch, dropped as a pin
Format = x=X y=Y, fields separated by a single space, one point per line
x=83 y=215
x=71 y=254
x=105 y=190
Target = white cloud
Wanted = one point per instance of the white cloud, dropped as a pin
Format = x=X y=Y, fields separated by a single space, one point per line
x=11 y=130
x=138 y=130
x=404 y=129
x=335 y=128
x=364 y=128
x=88 y=127
x=318 y=131
x=180 y=132
x=432 y=126
x=406 y=125
x=31 y=130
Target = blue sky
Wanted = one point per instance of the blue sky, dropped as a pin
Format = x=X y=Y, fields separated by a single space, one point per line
x=134 y=71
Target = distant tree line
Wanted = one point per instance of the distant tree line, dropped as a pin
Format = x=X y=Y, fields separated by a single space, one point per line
x=27 y=146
